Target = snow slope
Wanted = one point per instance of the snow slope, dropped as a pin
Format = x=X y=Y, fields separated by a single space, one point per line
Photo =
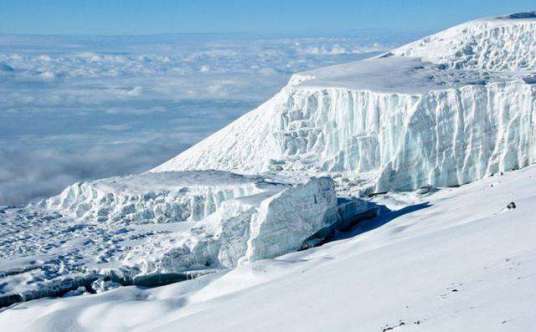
x=455 y=260
x=443 y=111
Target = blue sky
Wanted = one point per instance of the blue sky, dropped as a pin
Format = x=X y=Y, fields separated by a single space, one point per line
x=259 y=16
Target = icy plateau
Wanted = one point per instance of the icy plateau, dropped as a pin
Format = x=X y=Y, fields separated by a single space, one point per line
x=443 y=111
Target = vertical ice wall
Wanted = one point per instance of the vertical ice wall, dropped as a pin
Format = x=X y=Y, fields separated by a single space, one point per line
x=460 y=135
x=445 y=137
x=405 y=141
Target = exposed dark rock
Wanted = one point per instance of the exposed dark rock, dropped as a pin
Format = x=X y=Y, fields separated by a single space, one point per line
x=348 y=218
x=7 y=300
x=426 y=190
x=522 y=15
x=159 y=279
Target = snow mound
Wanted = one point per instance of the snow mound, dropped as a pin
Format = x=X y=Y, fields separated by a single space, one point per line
x=443 y=111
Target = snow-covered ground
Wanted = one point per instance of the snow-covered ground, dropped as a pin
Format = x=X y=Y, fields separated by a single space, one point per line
x=455 y=260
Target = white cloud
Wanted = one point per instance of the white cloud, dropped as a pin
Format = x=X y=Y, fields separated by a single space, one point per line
x=116 y=127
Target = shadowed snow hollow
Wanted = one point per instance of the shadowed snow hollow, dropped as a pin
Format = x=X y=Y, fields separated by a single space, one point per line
x=443 y=111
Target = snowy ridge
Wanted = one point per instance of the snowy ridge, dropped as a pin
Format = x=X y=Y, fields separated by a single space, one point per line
x=502 y=43
x=396 y=122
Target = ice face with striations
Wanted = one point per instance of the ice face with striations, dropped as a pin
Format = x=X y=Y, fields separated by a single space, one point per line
x=445 y=110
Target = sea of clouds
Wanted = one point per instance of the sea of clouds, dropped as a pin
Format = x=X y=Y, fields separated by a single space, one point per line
x=78 y=108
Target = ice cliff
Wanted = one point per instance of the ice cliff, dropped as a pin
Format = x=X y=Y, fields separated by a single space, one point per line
x=443 y=111
x=247 y=228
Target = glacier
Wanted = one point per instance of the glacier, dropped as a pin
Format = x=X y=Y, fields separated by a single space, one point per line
x=443 y=111
x=245 y=229
x=186 y=222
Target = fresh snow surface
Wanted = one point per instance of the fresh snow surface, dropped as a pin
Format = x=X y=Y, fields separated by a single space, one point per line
x=454 y=260
x=443 y=111
x=160 y=223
